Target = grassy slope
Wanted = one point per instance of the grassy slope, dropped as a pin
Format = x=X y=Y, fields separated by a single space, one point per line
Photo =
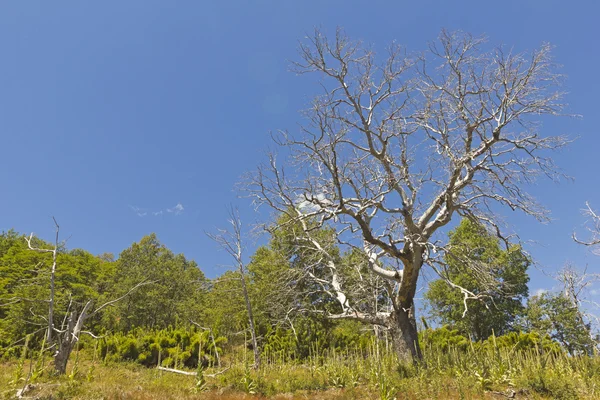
x=129 y=381
x=449 y=374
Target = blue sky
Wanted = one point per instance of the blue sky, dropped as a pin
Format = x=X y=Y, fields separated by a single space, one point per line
x=113 y=109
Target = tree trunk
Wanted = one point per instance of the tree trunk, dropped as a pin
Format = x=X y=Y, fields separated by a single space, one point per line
x=250 y=320
x=405 y=339
x=65 y=346
x=69 y=337
x=50 y=331
x=61 y=358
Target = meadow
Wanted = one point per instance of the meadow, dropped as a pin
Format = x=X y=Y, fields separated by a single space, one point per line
x=474 y=372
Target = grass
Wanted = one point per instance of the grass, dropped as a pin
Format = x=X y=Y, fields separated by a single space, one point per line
x=451 y=374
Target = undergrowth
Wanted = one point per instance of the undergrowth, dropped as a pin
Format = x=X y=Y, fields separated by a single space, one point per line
x=451 y=372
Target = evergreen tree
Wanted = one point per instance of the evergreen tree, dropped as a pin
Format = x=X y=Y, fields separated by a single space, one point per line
x=499 y=276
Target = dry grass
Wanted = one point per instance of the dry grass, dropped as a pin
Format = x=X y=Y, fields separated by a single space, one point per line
x=129 y=381
x=483 y=374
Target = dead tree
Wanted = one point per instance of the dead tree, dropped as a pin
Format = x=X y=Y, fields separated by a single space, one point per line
x=231 y=242
x=50 y=330
x=392 y=151
x=72 y=328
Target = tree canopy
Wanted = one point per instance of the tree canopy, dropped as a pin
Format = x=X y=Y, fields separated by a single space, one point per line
x=474 y=257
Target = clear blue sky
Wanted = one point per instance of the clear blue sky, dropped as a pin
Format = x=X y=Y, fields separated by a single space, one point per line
x=113 y=109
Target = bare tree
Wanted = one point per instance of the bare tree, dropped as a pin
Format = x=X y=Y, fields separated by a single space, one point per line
x=231 y=242
x=54 y=252
x=72 y=328
x=594 y=229
x=393 y=150
x=576 y=283
x=74 y=320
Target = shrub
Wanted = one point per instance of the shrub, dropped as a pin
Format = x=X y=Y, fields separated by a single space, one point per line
x=174 y=347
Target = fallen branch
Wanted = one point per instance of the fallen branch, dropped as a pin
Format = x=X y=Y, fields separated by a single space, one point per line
x=178 y=371
x=21 y=392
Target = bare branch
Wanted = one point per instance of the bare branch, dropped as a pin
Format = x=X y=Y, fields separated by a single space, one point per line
x=111 y=302
x=594 y=229
x=395 y=147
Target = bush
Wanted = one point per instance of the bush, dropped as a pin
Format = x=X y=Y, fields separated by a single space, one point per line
x=310 y=339
x=523 y=341
x=171 y=347
x=442 y=339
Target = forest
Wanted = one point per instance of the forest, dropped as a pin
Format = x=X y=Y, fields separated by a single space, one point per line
x=386 y=271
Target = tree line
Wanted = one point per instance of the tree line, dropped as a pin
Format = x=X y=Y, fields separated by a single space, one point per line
x=291 y=313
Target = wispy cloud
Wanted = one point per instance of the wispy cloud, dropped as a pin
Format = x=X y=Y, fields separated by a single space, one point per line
x=138 y=211
x=143 y=212
x=540 y=292
x=311 y=203
x=178 y=209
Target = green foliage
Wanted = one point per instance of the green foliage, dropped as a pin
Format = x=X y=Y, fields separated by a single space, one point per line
x=200 y=385
x=443 y=339
x=555 y=315
x=524 y=341
x=175 y=347
x=249 y=384
x=277 y=288
x=296 y=261
x=25 y=282
x=483 y=370
x=312 y=336
x=225 y=310
x=177 y=294
x=301 y=351
x=18 y=374
x=477 y=263
x=39 y=366
x=270 y=289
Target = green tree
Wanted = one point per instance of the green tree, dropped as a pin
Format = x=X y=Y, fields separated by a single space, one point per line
x=271 y=294
x=25 y=279
x=476 y=262
x=289 y=285
x=554 y=314
x=176 y=295
x=225 y=310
